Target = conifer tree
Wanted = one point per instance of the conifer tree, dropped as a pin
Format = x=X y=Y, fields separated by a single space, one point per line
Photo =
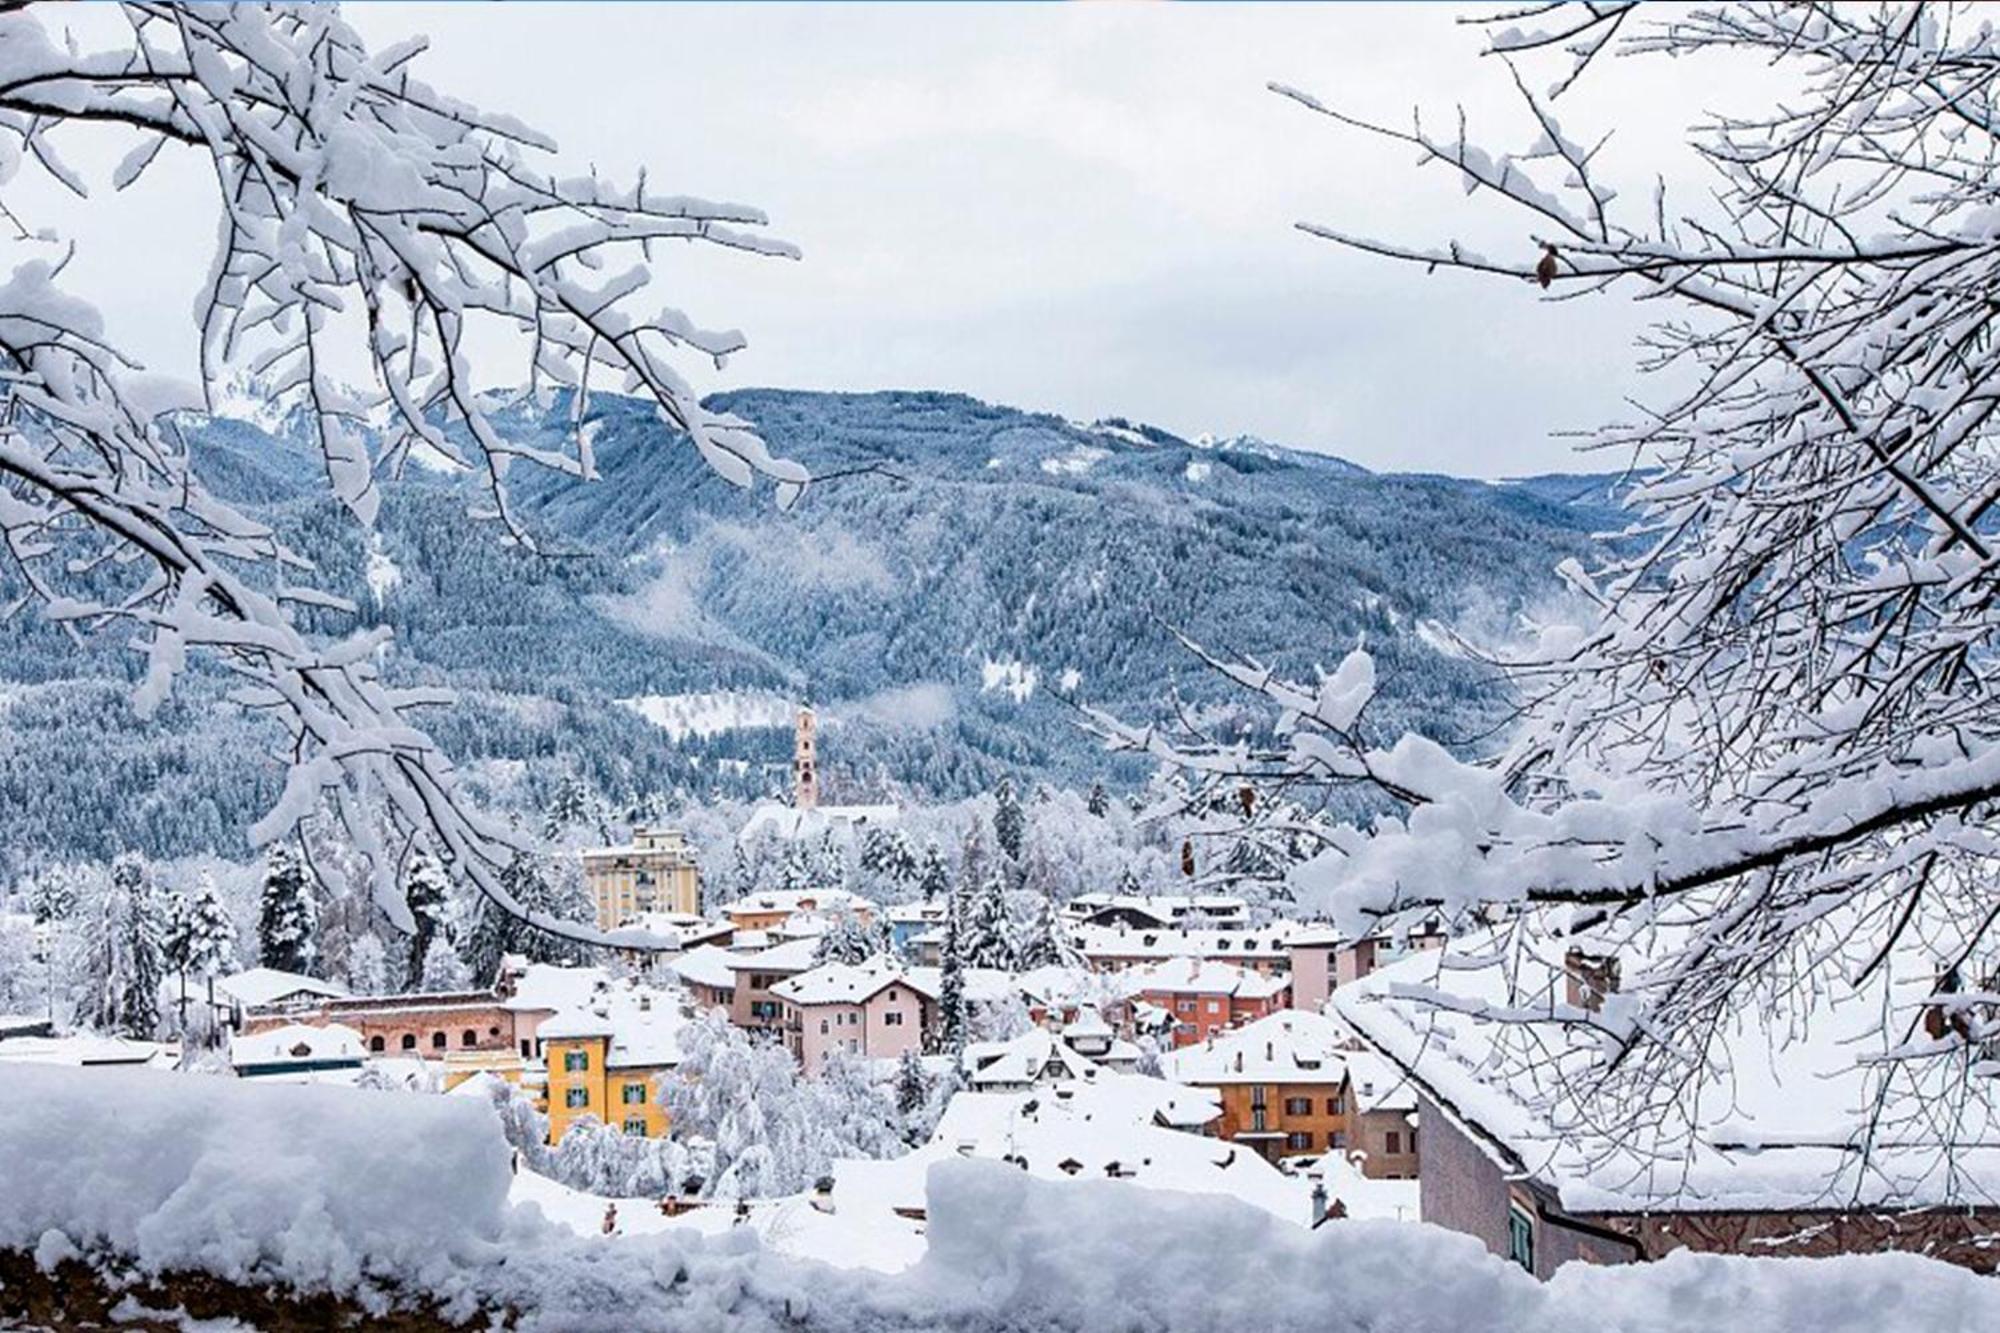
x=953 y=1027
x=123 y=969
x=1044 y=942
x=912 y=1088
x=428 y=890
x=287 y=916
x=935 y=878
x=846 y=941
x=1010 y=825
x=443 y=969
x=52 y=896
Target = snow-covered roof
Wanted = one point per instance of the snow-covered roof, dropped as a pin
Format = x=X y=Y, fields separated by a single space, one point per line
x=1106 y=1130
x=296 y=1044
x=983 y=985
x=1035 y=1056
x=1162 y=907
x=260 y=986
x=1264 y=942
x=643 y=1025
x=788 y=901
x=645 y=842
x=1791 y=1127
x=548 y=987
x=1056 y=984
x=706 y=965
x=1196 y=976
x=845 y=983
x=1379 y=1085
x=1290 y=1046
x=920 y=912
x=787 y=821
x=674 y=930
x=791 y=956
x=85 y=1049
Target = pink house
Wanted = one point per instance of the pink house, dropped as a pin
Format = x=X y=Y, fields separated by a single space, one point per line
x=872 y=1009
x=1313 y=950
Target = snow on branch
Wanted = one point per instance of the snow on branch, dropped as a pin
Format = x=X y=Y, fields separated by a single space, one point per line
x=1776 y=728
x=365 y=219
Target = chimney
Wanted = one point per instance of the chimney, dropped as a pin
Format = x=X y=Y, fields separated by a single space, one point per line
x=1318 y=1202
x=1588 y=978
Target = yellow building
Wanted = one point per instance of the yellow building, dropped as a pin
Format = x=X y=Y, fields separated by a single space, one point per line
x=656 y=872
x=609 y=1065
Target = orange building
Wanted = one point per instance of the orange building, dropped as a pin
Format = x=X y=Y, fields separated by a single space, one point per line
x=1282 y=1080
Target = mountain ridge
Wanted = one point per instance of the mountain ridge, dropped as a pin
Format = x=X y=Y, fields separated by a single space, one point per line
x=969 y=562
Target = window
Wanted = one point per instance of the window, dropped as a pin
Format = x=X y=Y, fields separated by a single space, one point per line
x=1298 y=1106
x=633 y=1094
x=1215 y=1006
x=1257 y=1123
x=1299 y=1141
x=526 y=1051
x=1184 y=1006
x=574 y=1097
x=437 y=1041
x=1394 y=1142
x=409 y=1041
x=1520 y=1236
x=822 y=1027
x=1338 y=1138
x=377 y=1045
x=892 y=1020
x=575 y=1062
x=468 y=1038
x=635 y=1125
x=1257 y=1094
x=1336 y=1105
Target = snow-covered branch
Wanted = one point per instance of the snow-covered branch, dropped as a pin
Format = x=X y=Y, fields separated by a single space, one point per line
x=367 y=225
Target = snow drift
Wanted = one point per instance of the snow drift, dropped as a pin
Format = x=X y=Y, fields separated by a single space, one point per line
x=371 y=1195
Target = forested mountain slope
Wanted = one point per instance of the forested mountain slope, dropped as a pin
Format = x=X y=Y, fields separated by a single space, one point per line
x=969 y=563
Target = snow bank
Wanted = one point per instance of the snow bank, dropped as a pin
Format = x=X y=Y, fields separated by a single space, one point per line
x=323 y=1186
x=357 y=1192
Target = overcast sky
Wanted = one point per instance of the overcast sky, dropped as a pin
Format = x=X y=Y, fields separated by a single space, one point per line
x=1085 y=209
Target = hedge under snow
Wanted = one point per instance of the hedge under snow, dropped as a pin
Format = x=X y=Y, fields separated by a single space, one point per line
x=365 y=1193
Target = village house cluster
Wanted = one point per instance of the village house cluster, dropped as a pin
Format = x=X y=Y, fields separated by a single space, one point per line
x=1186 y=1043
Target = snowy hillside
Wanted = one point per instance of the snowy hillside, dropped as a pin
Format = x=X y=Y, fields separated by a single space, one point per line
x=966 y=565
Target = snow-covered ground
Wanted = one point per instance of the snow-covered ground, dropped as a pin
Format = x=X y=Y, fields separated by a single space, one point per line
x=333 y=1188
x=711 y=713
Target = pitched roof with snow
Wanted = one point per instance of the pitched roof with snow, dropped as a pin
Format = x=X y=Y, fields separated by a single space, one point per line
x=298 y=1044
x=1791 y=1128
x=788 y=821
x=1196 y=976
x=548 y=987
x=707 y=965
x=643 y=1026
x=845 y=983
x=791 y=956
x=268 y=985
x=1290 y=1046
x=1270 y=942
x=789 y=901
x=1110 y=1129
